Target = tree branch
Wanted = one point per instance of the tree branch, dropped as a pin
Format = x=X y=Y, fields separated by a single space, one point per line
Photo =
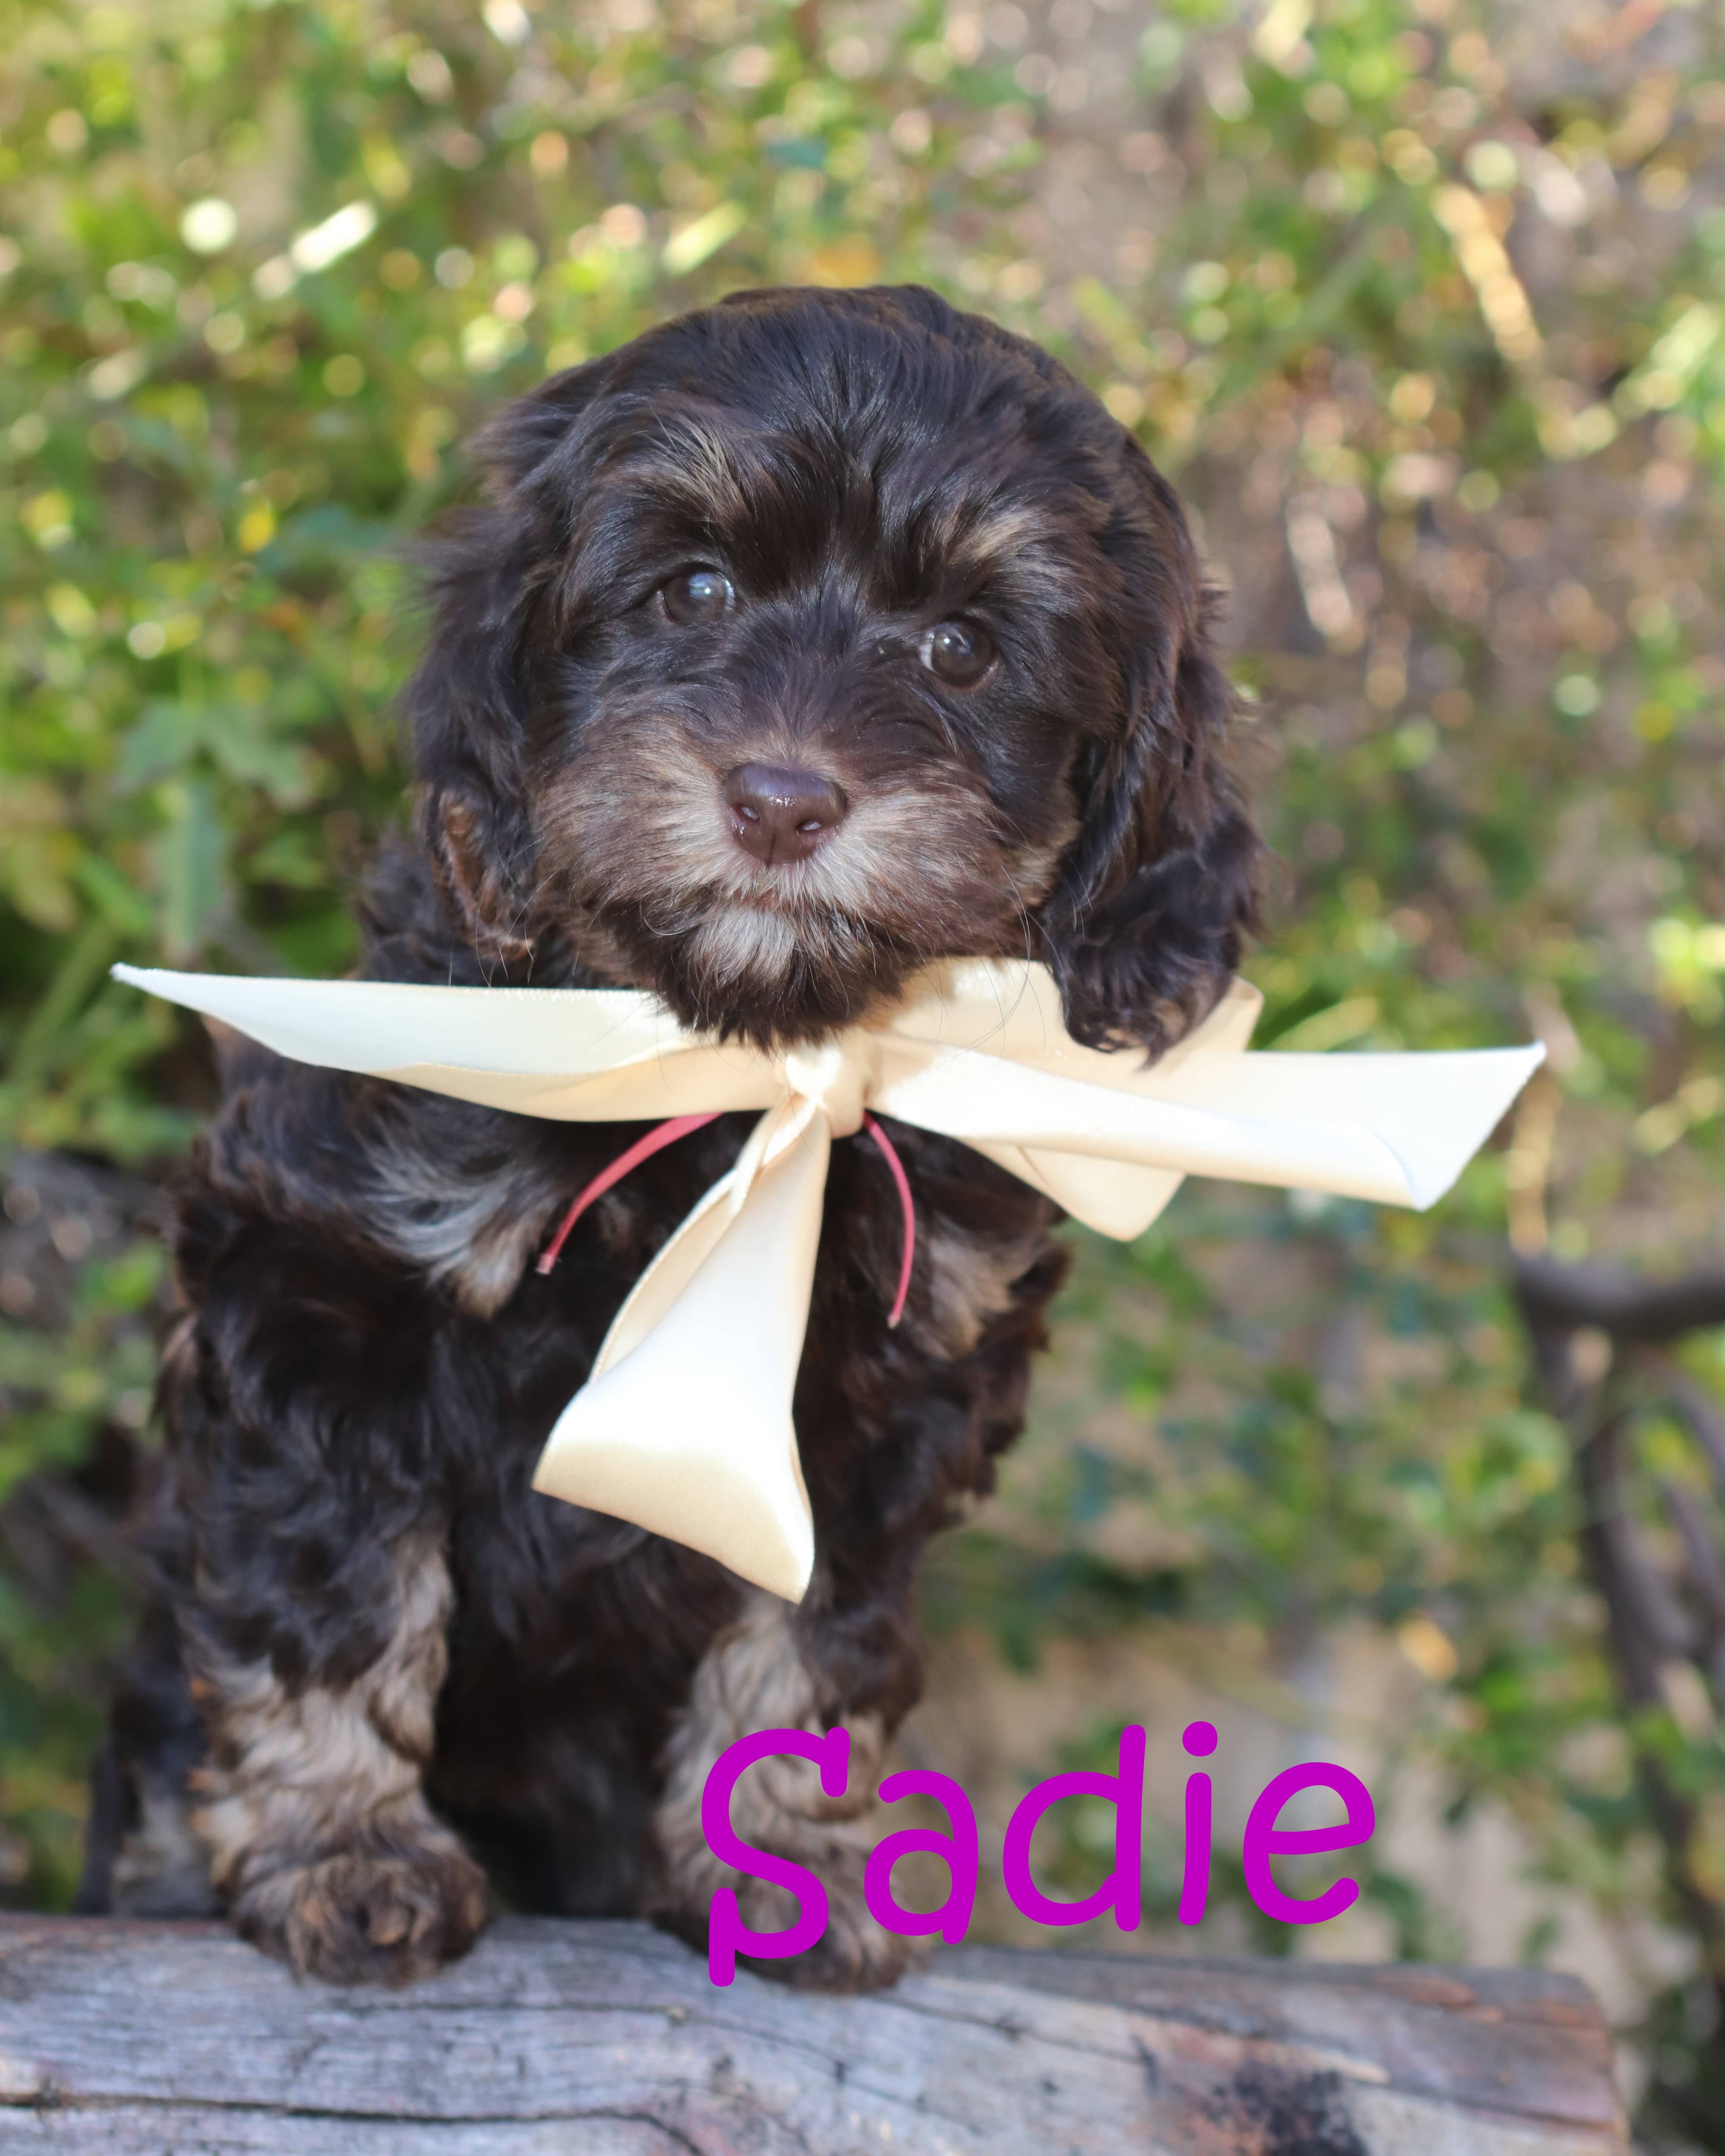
x=1557 y=1297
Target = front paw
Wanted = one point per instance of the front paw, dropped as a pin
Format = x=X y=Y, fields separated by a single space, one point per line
x=854 y=1953
x=386 y=1912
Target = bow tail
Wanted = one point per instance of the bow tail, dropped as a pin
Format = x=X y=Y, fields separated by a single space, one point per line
x=685 y=1427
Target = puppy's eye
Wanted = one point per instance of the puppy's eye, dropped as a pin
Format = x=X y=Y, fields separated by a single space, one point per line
x=959 y=652
x=698 y=595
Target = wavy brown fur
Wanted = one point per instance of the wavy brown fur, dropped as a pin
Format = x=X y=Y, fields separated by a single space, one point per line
x=370 y=1631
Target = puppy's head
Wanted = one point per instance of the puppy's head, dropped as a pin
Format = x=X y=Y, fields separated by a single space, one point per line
x=818 y=635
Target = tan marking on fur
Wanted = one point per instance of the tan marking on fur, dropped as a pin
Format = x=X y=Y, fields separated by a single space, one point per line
x=936 y=832
x=754 y=1677
x=1004 y=531
x=1033 y=868
x=1011 y=540
x=694 y=464
x=746 y=943
x=178 y=1364
x=707 y=474
x=494 y=1265
x=318 y=1830
x=472 y=1234
x=476 y=882
x=299 y=1769
x=965 y=1280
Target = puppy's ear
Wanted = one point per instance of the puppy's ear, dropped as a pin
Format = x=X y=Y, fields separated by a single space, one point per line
x=1145 y=929
x=470 y=701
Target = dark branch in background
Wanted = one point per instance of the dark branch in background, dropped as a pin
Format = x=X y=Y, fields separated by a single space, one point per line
x=1655 y=1615
x=1570 y=1298
x=1706 y=1423
x=1706 y=1575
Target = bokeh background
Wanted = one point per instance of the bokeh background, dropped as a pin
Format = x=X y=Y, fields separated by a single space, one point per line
x=1424 y=308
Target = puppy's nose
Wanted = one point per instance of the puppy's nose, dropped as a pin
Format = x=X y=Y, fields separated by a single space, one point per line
x=780 y=813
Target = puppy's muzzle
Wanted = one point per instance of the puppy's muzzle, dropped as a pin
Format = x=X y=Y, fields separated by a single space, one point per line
x=780 y=813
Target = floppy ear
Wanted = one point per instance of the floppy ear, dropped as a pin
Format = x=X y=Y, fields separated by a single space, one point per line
x=470 y=700
x=1145 y=929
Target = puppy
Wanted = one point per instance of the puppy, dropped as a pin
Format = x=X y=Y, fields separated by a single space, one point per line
x=804 y=641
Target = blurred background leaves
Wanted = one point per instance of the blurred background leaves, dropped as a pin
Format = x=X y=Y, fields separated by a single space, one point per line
x=1423 y=307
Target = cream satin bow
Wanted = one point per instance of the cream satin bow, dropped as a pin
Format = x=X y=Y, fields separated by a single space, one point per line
x=684 y=1426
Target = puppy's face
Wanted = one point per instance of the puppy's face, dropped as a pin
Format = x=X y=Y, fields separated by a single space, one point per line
x=804 y=723
x=824 y=635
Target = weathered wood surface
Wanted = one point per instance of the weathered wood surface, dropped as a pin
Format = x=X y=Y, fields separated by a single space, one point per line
x=607 y=2039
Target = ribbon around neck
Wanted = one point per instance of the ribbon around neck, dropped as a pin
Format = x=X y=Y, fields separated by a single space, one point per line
x=684 y=1426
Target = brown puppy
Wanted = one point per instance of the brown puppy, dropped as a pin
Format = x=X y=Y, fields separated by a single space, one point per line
x=805 y=640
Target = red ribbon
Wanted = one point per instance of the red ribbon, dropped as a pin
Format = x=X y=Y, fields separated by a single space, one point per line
x=679 y=1127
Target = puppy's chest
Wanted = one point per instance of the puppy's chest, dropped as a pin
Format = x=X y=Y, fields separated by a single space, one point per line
x=978 y=1233
x=475 y=1222
x=473 y=1210
x=971 y=1279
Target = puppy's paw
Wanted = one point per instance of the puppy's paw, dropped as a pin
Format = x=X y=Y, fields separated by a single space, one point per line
x=388 y=1914
x=854 y=1953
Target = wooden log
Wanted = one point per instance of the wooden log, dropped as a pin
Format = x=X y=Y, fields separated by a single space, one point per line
x=607 y=2039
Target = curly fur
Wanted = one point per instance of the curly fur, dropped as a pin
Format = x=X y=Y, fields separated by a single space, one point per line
x=378 y=1659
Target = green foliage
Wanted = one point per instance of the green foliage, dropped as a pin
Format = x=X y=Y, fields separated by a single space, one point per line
x=1430 y=329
